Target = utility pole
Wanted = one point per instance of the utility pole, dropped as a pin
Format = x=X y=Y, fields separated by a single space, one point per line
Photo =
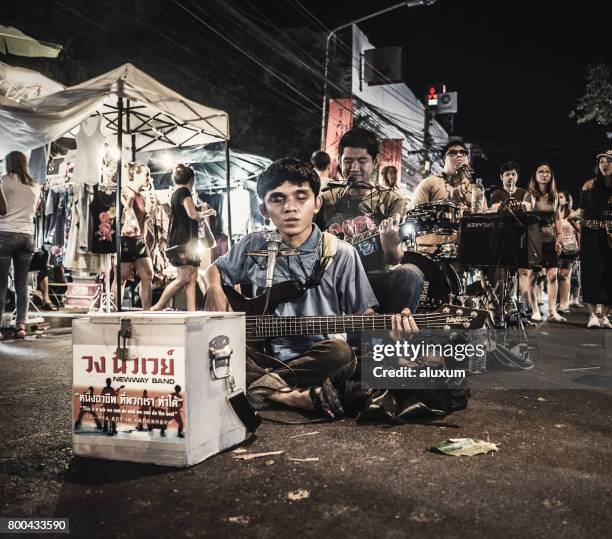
x=429 y=116
x=411 y=3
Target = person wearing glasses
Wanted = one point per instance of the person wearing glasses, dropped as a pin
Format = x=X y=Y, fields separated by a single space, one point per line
x=543 y=198
x=450 y=185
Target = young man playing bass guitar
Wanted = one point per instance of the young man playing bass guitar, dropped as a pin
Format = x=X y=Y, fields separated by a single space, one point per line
x=306 y=371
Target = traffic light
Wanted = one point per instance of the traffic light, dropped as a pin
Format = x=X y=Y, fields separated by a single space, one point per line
x=432 y=97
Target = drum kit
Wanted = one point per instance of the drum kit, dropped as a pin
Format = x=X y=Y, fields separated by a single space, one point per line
x=471 y=259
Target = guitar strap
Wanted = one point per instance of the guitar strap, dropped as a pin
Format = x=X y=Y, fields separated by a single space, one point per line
x=329 y=248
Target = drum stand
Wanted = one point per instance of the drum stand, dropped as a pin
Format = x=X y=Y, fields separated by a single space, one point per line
x=501 y=298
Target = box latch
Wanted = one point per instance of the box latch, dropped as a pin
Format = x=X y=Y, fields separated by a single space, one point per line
x=123 y=335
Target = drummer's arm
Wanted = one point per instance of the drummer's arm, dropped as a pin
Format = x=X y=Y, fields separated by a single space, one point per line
x=421 y=195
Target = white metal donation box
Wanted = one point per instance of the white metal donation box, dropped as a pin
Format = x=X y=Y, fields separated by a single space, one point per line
x=153 y=387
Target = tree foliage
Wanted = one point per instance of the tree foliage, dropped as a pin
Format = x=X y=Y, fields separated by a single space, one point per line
x=596 y=103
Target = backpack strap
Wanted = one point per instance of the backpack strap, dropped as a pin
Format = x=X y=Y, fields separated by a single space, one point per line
x=329 y=248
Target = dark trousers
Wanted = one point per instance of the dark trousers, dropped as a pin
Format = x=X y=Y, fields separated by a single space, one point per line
x=332 y=358
x=595 y=267
x=397 y=289
x=16 y=248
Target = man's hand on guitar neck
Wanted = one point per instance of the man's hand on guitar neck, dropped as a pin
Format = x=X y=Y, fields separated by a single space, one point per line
x=402 y=322
x=390 y=239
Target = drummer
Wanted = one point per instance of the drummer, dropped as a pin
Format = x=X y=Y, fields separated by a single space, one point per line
x=452 y=186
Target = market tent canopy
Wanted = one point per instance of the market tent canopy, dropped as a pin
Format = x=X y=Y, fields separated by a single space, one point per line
x=208 y=164
x=155 y=116
x=14 y=41
x=20 y=83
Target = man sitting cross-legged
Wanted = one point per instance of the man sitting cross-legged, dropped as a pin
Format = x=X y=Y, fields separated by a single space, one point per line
x=306 y=372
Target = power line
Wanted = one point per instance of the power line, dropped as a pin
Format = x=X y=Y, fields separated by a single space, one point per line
x=245 y=53
x=223 y=69
x=275 y=46
x=392 y=92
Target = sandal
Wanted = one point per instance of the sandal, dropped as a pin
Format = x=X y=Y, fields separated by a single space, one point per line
x=327 y=402
x=380 y=407
x=48 y=306
x=19 y=333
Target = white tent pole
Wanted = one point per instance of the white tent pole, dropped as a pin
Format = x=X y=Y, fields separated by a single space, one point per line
x=119 y=209
x=227 y=181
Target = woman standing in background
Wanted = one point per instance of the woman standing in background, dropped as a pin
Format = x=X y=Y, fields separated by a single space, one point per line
x=596 y=242
x=542 y=197
x=570 y=245
x=19 y=194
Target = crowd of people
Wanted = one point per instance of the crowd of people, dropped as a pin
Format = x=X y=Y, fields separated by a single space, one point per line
x=310 y=210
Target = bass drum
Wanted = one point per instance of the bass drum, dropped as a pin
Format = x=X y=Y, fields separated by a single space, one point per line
x=440 y=280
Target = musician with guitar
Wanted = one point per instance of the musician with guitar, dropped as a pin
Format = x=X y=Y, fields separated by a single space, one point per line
x=367 y=215
x=316 y=278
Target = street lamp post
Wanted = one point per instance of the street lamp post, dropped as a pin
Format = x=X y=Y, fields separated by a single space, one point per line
x=411 y=3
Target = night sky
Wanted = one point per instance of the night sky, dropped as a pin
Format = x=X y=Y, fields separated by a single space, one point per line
x=518 y=66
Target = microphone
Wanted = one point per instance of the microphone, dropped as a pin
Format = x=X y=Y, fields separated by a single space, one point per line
x=467 y=171
x=273 y=241
x=357 y=183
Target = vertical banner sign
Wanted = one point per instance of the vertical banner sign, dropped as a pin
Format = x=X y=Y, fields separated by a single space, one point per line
x=391 y=155
x=339 y=121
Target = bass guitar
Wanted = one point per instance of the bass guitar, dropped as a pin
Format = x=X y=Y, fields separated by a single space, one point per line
x=260 y=327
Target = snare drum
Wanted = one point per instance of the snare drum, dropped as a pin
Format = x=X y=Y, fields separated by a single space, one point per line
x=437 y=216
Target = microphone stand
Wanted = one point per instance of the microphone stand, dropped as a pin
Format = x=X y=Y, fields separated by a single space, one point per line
x=273 y=241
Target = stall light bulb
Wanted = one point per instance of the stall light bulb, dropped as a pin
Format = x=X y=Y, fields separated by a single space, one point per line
x=167 y=161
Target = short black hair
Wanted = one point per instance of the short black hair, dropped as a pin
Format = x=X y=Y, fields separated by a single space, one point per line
x=289 y=170
x=358 y=137
x=509 y=165
x=183 y=174
x=320 y=160
x=450 y=144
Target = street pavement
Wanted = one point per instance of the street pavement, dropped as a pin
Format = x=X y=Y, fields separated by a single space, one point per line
x=550 y=477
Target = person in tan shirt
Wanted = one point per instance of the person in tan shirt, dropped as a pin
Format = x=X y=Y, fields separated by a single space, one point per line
x=451 y=185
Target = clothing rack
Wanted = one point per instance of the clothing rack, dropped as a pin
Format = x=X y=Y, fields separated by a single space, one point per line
x=105 y=295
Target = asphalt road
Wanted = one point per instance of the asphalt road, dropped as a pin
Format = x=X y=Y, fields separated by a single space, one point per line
x=550 y=477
